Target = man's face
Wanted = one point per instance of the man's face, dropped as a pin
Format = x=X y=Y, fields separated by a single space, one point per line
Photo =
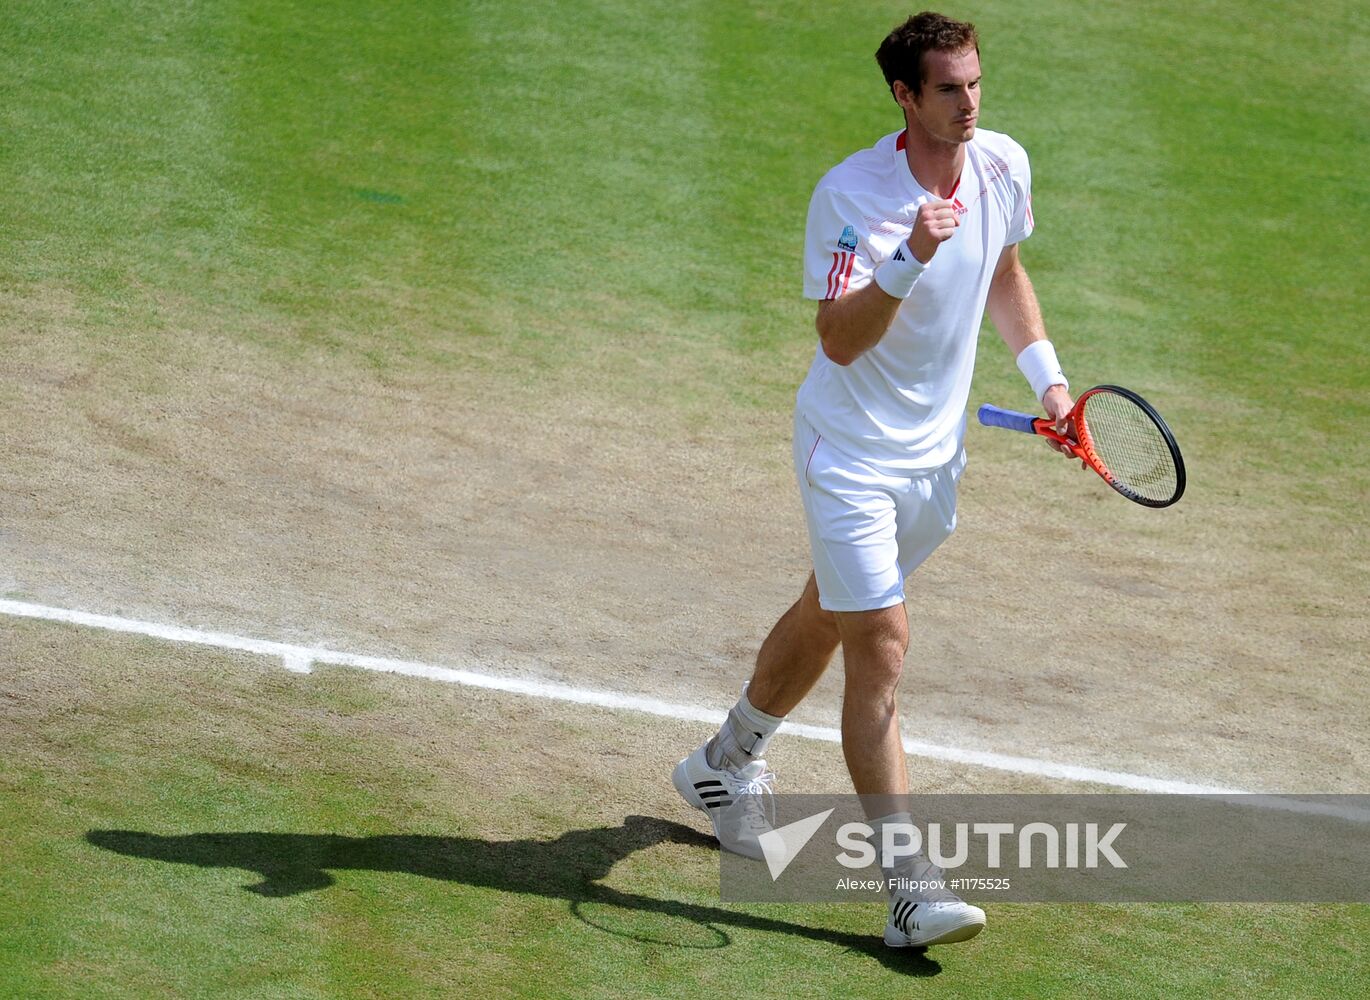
x=949 y=104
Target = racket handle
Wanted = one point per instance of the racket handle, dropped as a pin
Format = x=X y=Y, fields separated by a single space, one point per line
x=994 y=416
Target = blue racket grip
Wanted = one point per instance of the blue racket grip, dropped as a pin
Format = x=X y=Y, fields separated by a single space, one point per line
x=994 y=416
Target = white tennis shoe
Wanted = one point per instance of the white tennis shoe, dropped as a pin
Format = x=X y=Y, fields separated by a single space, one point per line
x=739 y=803
x=929 y=913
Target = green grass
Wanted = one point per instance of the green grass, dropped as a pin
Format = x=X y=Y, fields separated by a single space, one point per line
x=608 y=199
x=614 y=196
x=222 y=828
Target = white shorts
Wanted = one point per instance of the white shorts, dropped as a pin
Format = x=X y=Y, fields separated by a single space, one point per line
x=868 y=529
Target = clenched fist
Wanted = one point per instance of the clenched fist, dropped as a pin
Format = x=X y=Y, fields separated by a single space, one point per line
x=935 y=223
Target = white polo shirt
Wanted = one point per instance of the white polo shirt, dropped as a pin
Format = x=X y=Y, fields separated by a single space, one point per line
x=901 y=405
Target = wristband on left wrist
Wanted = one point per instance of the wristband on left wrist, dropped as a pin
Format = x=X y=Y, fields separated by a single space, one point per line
x=1040 y=367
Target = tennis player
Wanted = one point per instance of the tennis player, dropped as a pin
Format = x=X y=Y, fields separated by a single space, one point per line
x=908 y=244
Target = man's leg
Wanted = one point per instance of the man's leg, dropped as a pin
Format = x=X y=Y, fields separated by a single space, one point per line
x=796 y=652
x=873 y=648
x=922 y=909
x=794 y=655
x=727 y=777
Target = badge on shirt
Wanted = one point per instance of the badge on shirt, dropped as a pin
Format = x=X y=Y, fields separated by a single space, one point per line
x=847 y=241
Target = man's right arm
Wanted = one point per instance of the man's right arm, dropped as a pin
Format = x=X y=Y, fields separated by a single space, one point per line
x=852 y=324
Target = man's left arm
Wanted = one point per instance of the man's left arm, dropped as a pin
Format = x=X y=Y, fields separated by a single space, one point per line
x=1013 y=309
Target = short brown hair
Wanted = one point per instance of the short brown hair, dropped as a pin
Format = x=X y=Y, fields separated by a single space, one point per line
x=901 y=53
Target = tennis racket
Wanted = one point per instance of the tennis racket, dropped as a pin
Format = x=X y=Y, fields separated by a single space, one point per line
x=1119 y=435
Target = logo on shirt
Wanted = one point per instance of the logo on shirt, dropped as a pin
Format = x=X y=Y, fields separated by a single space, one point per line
x=957 y=207
x=847 y=241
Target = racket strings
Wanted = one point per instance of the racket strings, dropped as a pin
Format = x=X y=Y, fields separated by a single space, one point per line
x=1131 y=446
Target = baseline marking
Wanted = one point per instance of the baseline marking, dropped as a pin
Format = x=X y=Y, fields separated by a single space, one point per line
x=300 y=658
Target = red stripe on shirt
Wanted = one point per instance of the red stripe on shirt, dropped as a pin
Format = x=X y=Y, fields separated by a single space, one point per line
x=836 y=263
x=846 y=276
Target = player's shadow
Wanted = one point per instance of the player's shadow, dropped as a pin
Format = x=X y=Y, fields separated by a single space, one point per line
x=570 y=867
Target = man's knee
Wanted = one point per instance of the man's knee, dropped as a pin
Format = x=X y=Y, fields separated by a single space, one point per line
x=874 y=644
x=881 y=667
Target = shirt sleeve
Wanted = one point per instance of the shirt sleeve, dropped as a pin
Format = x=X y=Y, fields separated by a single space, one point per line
x=1021 y=225
x=837 y=251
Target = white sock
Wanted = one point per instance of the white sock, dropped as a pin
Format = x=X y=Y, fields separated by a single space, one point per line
x=877 y=839
x=744 y=736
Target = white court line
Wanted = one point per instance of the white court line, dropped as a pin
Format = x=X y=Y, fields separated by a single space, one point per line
x=299 y=659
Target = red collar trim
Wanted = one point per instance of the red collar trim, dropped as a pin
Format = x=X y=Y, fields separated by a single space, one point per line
x=902 y=141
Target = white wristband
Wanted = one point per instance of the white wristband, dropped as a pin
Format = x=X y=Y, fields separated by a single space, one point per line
x=899 y=272
x=1039 y=366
